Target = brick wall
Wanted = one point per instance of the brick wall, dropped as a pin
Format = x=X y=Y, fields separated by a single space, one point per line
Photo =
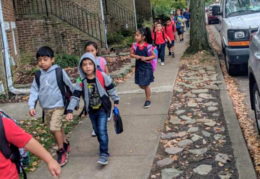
x=62 y=37
x=11 y=30
x=143 y=9
x=91 y=5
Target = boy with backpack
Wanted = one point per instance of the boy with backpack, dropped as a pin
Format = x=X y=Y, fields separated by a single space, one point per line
x=96 y=87
x=170 y=30
x=13 y=137
x=52 y=87
x=160 y=38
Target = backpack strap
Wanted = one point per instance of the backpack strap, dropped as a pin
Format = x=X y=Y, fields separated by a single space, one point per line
x=10 y=151
x=101 y=78
x=60 y=82
x=37 y=78
x=4 y=147
x=102 y=63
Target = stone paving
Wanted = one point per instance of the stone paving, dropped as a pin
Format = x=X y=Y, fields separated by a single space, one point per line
x=195 y=141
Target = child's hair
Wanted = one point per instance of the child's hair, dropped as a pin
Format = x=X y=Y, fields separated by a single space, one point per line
x=168 y=19
x=147 y=33
x=94 y=44
x=84 y=59
x=45 y=51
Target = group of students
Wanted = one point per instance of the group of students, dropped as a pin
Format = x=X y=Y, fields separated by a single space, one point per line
x=51 y=86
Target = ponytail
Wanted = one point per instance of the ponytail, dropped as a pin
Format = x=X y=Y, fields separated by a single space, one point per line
x=147 y=33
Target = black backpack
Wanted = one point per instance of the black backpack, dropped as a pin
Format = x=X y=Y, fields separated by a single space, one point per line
x=10 y=151
x=64 y=89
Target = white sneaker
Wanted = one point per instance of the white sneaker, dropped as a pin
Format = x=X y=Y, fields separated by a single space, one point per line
x=162 y=63
x=93 y=134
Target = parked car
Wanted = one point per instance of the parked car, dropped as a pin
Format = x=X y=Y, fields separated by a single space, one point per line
x=210 y=17
x=237 y=18
x=254 y=75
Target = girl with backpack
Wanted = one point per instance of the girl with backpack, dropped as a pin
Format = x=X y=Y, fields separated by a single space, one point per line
x=160 y=38
x=91 y=47
x=143 y=52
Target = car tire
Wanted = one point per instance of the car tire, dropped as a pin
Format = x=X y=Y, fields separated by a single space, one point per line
x=230 y=68
x=256 y=103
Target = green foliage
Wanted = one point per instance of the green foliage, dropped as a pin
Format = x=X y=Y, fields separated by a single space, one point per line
x=65 y=61
x=115 y=37
x=128 y=41
x=164 y=7
x=27 y=58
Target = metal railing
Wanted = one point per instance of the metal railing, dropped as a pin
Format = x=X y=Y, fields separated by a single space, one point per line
x=67 y=11
x=121 y=13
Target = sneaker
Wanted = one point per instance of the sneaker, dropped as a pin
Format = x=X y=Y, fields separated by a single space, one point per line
x=159 y=60
x=62 y=157
x=103 y=160
x=173 y=55
x=170 y=53
x=147 y=104
x=93 y=134
x=162 y=63
x=66 y=147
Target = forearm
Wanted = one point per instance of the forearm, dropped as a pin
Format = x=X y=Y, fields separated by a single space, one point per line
x=37 y=149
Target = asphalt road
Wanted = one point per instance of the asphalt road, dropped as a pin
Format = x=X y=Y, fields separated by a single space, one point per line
x=241 y=79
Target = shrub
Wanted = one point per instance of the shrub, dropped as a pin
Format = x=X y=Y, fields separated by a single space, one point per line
x=114 y=38
x=65 y=61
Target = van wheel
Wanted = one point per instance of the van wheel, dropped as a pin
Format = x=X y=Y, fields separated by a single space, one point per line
x=230 y=68
x=256 y=104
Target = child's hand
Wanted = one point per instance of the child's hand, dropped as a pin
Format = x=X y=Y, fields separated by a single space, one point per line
x=143 y=58
x=69 y=116
x=32 y=112
x=54 y=168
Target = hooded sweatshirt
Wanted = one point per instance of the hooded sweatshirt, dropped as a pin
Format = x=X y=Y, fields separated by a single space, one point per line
x=81 y=87
x=49 y=94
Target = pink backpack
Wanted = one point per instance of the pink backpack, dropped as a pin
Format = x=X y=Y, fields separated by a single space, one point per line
x=150 y=49
x=102 y=61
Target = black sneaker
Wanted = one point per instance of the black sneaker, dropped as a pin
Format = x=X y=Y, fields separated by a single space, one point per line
x=66 y=147
x=170 y=53
x=147 y=104
x=62 y=157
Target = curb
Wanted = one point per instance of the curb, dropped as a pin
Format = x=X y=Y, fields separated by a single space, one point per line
x=244 y=163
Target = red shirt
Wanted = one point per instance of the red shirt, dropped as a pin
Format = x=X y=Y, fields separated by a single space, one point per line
x=16 y=136
x=170 y=29
x=159 y=37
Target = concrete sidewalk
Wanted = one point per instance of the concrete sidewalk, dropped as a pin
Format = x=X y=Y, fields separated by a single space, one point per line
x=133 y=151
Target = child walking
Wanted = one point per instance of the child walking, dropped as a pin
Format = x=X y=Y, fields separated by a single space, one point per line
x=170 y=30
x=45 y=88
x=179 y=19
x=92 y=47
x=96 y=88
x=143 y=52
x=101 y=62
x=160 y=38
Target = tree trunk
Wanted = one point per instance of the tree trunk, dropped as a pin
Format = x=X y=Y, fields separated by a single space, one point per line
x=199 y=35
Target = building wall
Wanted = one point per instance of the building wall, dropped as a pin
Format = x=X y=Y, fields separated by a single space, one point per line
x=144 y=9
x=62 y=37
x=11 y=29
x=92 y=6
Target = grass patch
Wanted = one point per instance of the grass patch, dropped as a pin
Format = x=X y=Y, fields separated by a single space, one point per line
x=41 y=133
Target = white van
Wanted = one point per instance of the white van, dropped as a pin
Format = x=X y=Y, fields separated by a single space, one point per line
x=237 y=20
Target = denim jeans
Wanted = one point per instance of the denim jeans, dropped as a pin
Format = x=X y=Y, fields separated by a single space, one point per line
x=187 y=24
x=161 y=51
x=99 y=122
